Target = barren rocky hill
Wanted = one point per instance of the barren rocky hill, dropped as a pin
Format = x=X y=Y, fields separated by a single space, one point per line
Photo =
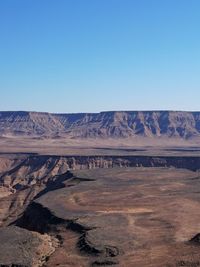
x=117 y=124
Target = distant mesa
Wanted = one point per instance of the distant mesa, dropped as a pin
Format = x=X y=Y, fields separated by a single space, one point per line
x=113 y=124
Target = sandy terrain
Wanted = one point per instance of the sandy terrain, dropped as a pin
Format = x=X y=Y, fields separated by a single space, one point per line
x=98 y=146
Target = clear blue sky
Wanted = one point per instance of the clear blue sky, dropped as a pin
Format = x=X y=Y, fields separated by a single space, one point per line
x=94 y=55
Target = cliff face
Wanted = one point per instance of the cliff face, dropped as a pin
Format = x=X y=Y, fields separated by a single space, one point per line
x=105 y=124
x=95 y=217
x=39 y=170
x=23 y=180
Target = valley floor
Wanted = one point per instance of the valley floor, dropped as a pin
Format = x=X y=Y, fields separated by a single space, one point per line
x=136 y=146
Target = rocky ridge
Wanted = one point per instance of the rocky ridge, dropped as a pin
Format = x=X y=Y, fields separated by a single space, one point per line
x=115 y=124
x=77 y=218
x=26 y=178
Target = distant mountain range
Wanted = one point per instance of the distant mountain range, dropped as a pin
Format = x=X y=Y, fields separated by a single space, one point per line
x=114 y=124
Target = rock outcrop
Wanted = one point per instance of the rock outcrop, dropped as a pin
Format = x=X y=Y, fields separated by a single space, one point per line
x=22 y=248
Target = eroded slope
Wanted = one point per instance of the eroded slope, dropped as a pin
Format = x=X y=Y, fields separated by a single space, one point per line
x=116 y=124
x=104 y=213
x=122 y=217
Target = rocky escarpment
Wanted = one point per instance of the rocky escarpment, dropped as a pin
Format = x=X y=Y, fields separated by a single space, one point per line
x=35 y=175
x=117 y=124
x=39 y=169
x=23 y=179
x=40 y=219
x=115 y=216
x=87 y=206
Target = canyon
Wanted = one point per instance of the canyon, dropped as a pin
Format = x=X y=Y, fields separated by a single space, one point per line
x=107 y=189
x=99 y=211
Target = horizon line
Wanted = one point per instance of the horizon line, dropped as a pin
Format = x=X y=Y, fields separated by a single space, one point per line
x=103 y=111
